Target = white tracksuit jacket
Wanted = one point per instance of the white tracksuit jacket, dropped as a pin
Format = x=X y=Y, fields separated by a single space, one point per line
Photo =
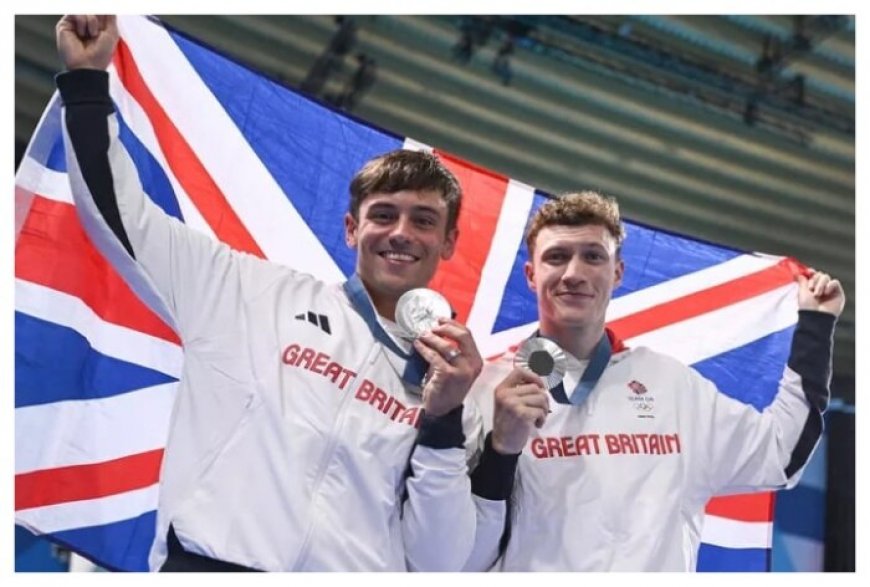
x=292 y=433
x=620 y=482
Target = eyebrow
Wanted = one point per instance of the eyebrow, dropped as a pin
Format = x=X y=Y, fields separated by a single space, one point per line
x=566 y=246
x=414 y=208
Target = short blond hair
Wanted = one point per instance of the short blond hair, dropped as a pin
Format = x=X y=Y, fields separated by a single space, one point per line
x=577 y=209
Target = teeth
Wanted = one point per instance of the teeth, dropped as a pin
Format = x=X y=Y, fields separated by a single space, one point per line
x=398 y=256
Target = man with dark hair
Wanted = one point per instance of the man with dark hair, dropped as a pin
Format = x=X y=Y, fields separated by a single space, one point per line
x=609 y=464
x=294 y=444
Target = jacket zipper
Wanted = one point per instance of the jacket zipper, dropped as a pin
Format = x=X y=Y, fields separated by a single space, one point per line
x=327 y=458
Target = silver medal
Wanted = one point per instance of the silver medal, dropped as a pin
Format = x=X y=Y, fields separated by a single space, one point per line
x=418 y=310
x=542 y=357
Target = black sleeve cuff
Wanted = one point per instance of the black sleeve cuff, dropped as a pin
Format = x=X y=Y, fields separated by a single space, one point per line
x=84 y=86
x=442 y=431
x=494 y=476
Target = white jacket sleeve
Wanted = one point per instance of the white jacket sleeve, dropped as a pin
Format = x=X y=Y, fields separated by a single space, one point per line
x=743 y=450
x=438 y=521
x=492 y=485
x=175 y=270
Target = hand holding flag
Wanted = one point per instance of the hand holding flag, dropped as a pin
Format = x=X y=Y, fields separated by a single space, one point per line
x=821 y=293
x=87 y=41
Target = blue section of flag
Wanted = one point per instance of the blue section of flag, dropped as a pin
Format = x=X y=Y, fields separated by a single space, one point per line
x=653 y=256
x=57 y=157
x=46 y=146
x=101 y=543
x=714 y=559
x=151 y=174
x=750 y=373
x=327 y=147
x=55 y=363
x=519 y=306
x=35 y=553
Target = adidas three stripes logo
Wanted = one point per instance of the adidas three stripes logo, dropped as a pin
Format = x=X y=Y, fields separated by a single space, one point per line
x=318 y=320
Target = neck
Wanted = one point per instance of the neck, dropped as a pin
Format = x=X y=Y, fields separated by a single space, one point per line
x=385 y=305
x=580 y=341
x=386 y=309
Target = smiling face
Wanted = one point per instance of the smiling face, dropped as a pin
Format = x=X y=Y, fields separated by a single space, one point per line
x=573 y=271
x=400 y=238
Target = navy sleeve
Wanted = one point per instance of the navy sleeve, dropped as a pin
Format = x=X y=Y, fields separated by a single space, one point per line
x=85 y=94
x=493 y=478
x=811 y=358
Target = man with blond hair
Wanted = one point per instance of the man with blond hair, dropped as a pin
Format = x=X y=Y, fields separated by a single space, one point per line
x=571 y=478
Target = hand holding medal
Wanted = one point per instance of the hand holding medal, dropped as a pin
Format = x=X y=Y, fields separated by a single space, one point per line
x=543 y=357
x=521 y=404
x=454 y=362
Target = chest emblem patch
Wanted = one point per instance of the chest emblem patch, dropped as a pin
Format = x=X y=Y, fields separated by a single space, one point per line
x=642 y=401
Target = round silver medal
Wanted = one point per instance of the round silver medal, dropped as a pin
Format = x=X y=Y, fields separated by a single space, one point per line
x=543 y=357
x=418 y=310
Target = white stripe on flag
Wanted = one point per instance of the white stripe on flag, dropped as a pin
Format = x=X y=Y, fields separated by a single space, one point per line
x=720 y=331
x=140 y=125
x=256 y=198
x=415 y=145
x=102 y=429
x=106 y=338
x=729 y=533
x=89 y=512
x=688 y=284
x=497 y=269
x=42 y=181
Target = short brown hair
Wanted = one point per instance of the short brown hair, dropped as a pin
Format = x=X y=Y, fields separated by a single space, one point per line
x=577 y=209
x=404 y=169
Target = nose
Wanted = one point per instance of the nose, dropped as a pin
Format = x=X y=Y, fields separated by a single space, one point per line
x=402 y=230
x=574 y=273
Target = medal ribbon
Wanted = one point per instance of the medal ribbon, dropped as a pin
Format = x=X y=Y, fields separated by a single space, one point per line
x=597 y=363
x=415 y=365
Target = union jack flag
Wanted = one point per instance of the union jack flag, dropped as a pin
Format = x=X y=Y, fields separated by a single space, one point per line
x=250 y=162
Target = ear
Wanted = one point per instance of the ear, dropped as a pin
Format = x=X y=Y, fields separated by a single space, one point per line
x=350 y=228
x=529 y=270
x=619 y=271
x=449 y=246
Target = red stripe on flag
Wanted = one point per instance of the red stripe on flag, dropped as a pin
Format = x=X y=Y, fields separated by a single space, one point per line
x=78 y=482
x=185 y=164
x=459 y=277
x=708 y=300
x=749 y=507
x=53 y=250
